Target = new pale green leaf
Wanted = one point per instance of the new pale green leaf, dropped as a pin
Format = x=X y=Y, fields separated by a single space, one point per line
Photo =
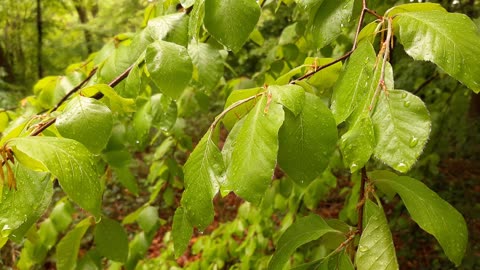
x=307 y=141
x=302 y=231
x=376 y=249
x=69 y=161
x=402 y=125
x=353 y=84
x=203 y=173
x=169 y=66
x=231 y=21
x=252 y=157
x=450 y=40
x=429 y=211
x=111 y=240
x=88 y=121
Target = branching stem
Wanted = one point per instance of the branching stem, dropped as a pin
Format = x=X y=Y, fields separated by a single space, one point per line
x=361 y=200
x=365 y=10
x=384 y=54
x=74 y=90
x=233 y=106
x=99 y=95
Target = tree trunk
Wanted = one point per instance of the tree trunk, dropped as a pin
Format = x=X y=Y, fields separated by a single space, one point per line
x=83 y=16
x=40 y=39
x=5 y=63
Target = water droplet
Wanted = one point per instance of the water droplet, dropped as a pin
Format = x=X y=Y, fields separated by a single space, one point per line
x=404 y=95
x=98 y=219
x=5 y=230
x=341 y=25
x=137 y=142
x=362 y=248
x=413 y=142
x=401 y=167
x=406 y=104
x=353 y=167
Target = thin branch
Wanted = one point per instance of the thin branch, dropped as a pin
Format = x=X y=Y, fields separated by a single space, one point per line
x=425 y=83
x=309 y=74
x=7 y=109
x=385 y=53
x=361 y=200
x=98 y=95
x=115 y=81
x=74 y=90
x=233 y=106
x=355 y=43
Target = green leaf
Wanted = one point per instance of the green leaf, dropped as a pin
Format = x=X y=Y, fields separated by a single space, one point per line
x=353 y=84
x=430 y=212
x=23 y=206
x=302 y=231
x=196 y=19
x=169 y=66
x=88 y=121
x=182 y=231
x=402 y=125
x=290 y=96
x=376 y=249
x=324 y=32
x=450 y=40
x=231 y=21
x=171 y=28
x=204 y=171
x=111 y=240
x=357 y=143
x=413 y=7
x=67 y=248
x=311 y=134
x=309 y=4
x=251 y=160
x=164 y=112
x=142 y=123
x=67 y=160
x=148 y=219
x=208 y=65
x=238 y=112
